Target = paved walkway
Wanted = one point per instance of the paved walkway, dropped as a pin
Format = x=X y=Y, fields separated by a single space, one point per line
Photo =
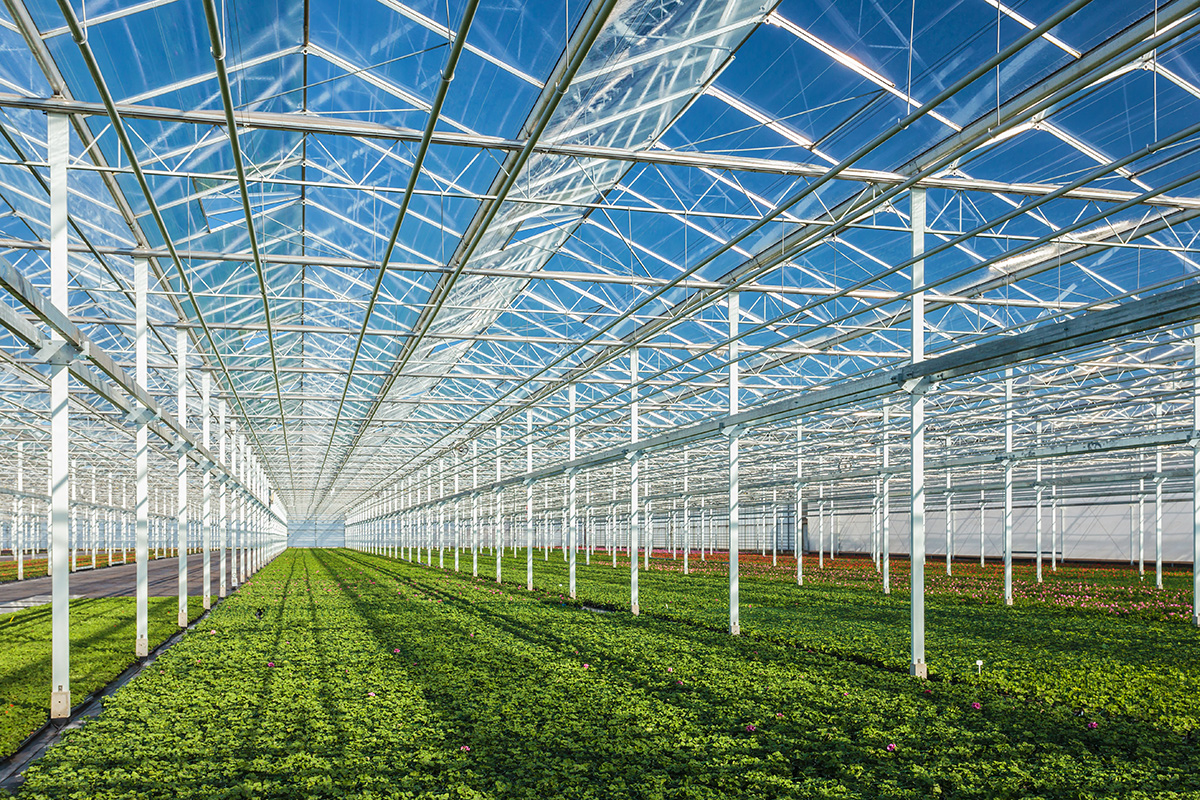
x=119 y=581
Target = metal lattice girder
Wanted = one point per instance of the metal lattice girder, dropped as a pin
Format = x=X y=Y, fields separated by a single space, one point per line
x=1055 y=148
x=96 y=369
x=1127 y=320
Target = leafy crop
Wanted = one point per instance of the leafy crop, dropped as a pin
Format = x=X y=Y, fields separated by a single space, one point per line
x=1139 y=663
x=103 y=632
x=369 y=678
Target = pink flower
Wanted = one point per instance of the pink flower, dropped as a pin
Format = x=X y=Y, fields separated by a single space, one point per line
x=976 y=706
x=466 y=748
x=1093 y=725
x=210 y=633
x=370 y=694
x=585 y=666
x=270 y=663
x=891 y=748
x=751 y=728
x=670 y=669
x=396 y=650
x=778 y=715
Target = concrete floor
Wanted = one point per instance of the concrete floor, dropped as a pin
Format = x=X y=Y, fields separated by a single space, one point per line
x=120 y=581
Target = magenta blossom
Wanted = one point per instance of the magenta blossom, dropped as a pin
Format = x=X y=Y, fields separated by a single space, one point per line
x=1093 y=725
x=270 y=663
x=976 y=706
x=891 y=748
x=396 y=650
x=586 y=666
x=370 y=694
x=751 y=728
x=466 y=748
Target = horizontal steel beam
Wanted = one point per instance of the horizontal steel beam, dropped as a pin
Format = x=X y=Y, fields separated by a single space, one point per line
x=333 y=126
x=1134 y=317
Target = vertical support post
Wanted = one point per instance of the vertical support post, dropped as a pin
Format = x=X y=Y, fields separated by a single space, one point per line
x=58 y=153
x=735 y=627
x=223 y=524
x=949 y=517
x=916 y=533
x=634 y=477
x=142 y=487
x=572 y=490
x=498 y=536
x=1039 y=492
x=982 y=522
x=1053 y=521
x=1008 y=485
x=798 y=526
x=774 y=527
x=457 y=516
x=612 y=521
x=20 y=504
x=1158 y=501
x=206 y=486
x=181 y=474
x=687 y=515
x=1195 y=475
x=475 y=508
x=529 y=499
x=885 y=504
x=235 y=510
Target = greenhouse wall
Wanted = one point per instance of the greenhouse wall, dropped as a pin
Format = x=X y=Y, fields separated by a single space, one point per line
x=329 y=532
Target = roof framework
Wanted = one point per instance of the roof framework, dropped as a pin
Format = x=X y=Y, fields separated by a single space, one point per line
x=389 y=234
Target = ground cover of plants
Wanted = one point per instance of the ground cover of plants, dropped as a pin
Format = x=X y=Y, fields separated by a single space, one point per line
x=103 y=632
x=34 y=568
x=367 y=677
x=1089 y=638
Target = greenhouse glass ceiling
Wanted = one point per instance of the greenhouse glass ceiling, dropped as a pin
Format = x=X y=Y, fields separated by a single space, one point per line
x=444 y=232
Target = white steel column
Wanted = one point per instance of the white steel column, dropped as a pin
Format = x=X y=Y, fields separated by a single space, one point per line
x=58 y=153
x=885 y=504
x=798 y=526
x=916 y=533
x=235 y=508
x=528 y=500
x=181 y=473
x=572 y=490
x=498 y=536
x=949 y=518
x=735 y=627
x=475 y=508
x=206 y=486
x=20 y=510
x=1008 y=485
x=142 y=486
x=1039 y=491
x=223 y=524
x=1195 y=475
x=687 y=515
x=1053 y=521
x=457 y=516
x=774 y=527
x=1158 y=501
x=634 y=501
